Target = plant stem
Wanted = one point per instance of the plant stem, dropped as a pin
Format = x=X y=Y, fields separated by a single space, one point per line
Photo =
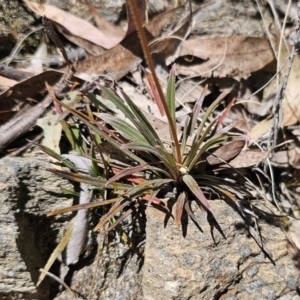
x=149 y=60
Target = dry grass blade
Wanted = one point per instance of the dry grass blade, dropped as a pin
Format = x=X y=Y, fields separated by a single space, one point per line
x=88 y=179
x=115 y=210
x=73 y=297
x=57 y=251
x=81 y=206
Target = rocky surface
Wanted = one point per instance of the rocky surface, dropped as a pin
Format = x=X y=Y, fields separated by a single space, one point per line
x=28 y=237
x=174 y=267
x=205 y=265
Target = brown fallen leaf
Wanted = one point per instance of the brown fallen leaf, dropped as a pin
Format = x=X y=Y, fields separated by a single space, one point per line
x=103 y=24
x=160 y=24
x=247 y=159
x=122 y=58
x=225 y=152
x=90 y=47
x=170 y=46
x=75 y=25
x=6 y=83
x=224 y=56
x=31 y=90
x=118 y=61
x=126 y=55
x=260 y=129
x=286 y=158
x=27 y=91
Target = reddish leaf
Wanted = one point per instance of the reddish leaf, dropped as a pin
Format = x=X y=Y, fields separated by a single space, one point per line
x=194 y=188
x=179 y=208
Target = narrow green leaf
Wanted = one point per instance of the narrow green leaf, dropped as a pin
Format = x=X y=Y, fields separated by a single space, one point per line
x=162 y=154
x=134 y=114
x=57 y=156
x=209 y=112
x=196 y=145
x=184 y=137
x=95 y=167
x=171 y=94
x=216 y=182
x=205 y=146
x=143 y=124
x=95 y=128
x=196 y=111
x=123 y=128
x=195 y=189
x=223 y=115
x=133 y=170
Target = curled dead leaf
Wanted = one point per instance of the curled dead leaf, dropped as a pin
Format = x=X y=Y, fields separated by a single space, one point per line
x=225 y=152
x=224 y=56
x=247 y=159
x=75 y=25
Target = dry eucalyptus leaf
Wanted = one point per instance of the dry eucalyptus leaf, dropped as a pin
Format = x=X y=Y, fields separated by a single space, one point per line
x=103 y=24
x=75 y=25
x=116 y=62
x=225 y=152
x=78 y=238
x=161 y=23
x=170 y=46
x=6 y=83
x=125 y=56
x=90 y=47
x=188 y=91
x=27 y=91
x=52 y=131
x=247 y=159
x=260 y=129
x=224 y=56
x=285 y=158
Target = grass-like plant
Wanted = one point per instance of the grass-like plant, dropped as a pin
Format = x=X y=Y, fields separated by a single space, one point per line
x=183 y=170
x=153 y=170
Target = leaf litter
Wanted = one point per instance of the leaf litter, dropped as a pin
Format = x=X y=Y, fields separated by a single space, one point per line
x=235 y=57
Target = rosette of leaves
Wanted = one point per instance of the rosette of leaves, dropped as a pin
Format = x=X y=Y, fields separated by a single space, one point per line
x=186 y=169
x=150 y=171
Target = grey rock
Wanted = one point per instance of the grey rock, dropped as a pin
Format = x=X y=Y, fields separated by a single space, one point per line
x=204 y=265
x=27 y=235
x=175 y=267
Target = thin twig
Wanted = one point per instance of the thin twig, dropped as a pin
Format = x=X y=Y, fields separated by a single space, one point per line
x=59 y=281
